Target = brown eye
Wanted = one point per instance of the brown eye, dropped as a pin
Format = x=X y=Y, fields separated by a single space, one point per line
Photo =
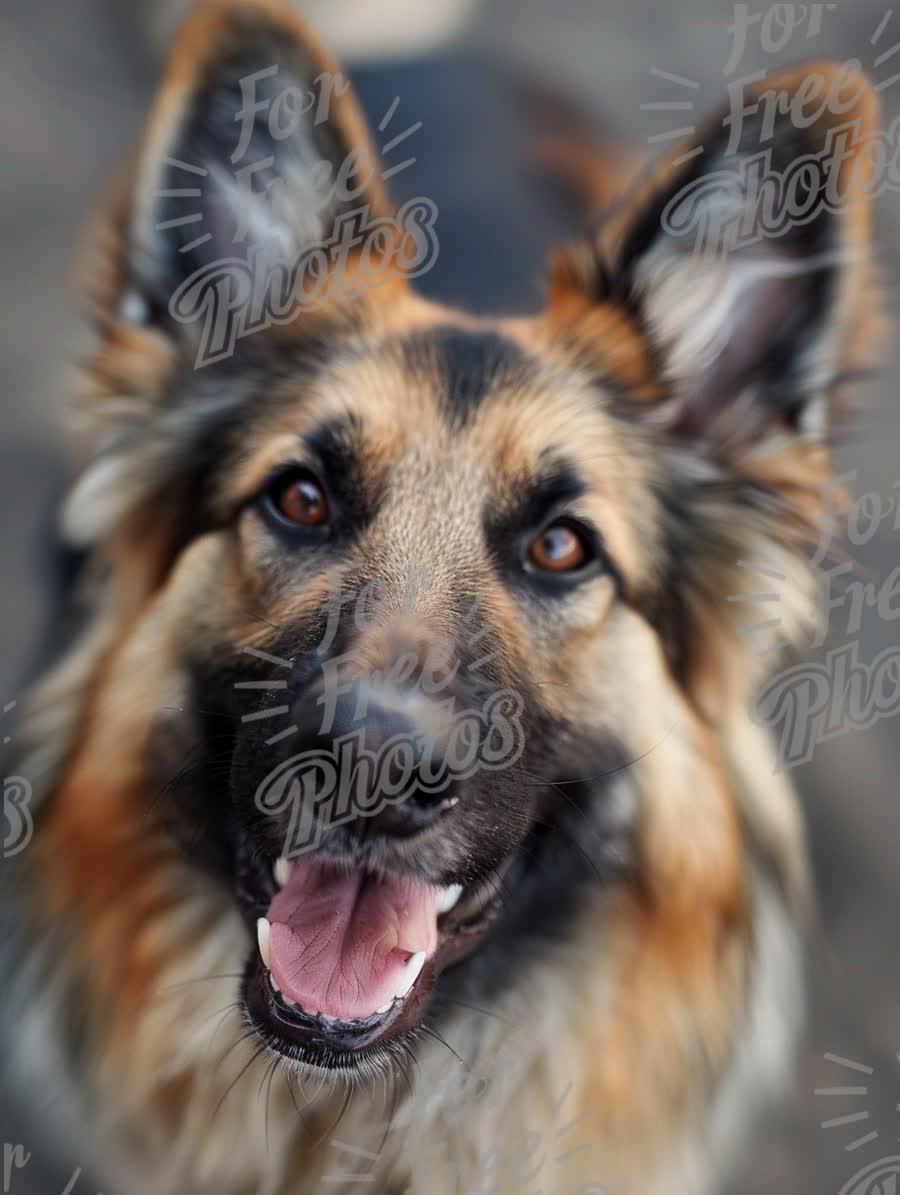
x=301 y=500
x=559 y=549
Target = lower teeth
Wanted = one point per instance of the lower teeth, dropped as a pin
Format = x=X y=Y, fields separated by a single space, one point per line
x=286 y=1000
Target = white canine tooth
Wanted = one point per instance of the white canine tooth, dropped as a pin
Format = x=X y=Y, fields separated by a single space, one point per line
x=288 y=1001
x=282 y=871
x=446 y=898
x=274 y=982
x=384 y=1008
x=411 y=973
x=263 y=930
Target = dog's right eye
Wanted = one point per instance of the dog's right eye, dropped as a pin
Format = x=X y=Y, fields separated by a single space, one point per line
x=297 y=498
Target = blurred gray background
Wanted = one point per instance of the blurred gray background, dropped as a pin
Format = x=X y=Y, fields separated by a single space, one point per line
x=75 y=80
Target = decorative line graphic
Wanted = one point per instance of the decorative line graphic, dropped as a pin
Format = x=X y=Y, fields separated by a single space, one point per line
x=855 y=1117
x=853 y=1085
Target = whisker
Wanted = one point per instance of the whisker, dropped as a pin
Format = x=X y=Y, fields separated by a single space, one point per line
x=602 y=775
x=261 y=618
x=288 y=1075
x=272 y=1070
x=403 y=1072
x=238 y=1041
x=173 y=987
x=344 y=1106
x=231 y=1086
x=474 y=1008
x=431 y=1032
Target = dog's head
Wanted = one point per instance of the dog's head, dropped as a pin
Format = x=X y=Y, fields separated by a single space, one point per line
x=422 y=623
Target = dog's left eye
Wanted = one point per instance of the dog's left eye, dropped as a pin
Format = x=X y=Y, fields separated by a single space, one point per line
x=299 y=499
x=560 y=548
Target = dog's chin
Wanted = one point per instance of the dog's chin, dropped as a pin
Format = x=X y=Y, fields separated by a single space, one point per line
x=348 y=958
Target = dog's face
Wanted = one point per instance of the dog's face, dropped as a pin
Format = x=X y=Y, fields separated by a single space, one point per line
x=407 y=596
x=404 y=640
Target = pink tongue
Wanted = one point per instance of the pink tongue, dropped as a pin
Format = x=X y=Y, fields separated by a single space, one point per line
x=340 y=940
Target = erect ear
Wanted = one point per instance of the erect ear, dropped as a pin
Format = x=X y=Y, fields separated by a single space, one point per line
x=254 y=151
x=737 y=283
x=254 y=162
x=744 y=257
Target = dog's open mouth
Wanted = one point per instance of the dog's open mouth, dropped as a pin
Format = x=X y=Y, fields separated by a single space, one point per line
x=347 y=958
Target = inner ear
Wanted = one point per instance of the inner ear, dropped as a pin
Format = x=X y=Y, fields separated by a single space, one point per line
x=251 y=167
x=255 y=145
x=745 y=259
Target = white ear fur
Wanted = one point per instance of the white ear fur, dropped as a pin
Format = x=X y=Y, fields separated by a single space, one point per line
x=279 y=199
x=697 y=305
x=756 y=332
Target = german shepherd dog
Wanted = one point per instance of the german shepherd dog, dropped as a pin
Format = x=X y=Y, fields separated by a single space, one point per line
x=403 y=823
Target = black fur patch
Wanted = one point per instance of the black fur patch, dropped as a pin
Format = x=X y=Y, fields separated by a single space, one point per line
x=467 y=364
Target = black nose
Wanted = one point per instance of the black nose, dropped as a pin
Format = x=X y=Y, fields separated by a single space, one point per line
x=387 y=745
